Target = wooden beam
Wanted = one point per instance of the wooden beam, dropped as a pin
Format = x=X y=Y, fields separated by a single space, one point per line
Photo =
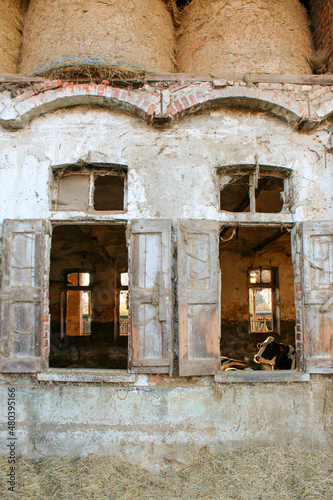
x=249 y=78
x=9 y=78
x=272 y=239
x=191 y=77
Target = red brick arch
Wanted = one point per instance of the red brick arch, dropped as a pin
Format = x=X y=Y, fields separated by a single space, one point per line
x=167 y=105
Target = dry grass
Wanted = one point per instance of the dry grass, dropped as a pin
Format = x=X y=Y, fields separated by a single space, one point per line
x=263 y=473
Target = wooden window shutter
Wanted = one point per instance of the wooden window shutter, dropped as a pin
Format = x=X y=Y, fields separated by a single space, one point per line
x=198 y=297
x=150 y=297
x=24 y=244
x=318 y=296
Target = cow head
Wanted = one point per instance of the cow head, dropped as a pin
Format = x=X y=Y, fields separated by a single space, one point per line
x=280 y=356
x=267 y=352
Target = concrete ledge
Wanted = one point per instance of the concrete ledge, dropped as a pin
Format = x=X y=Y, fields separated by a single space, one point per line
x=261 y=376
x=86 y=375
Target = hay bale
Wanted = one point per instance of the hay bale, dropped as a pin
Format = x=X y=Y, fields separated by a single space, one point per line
x=242 y=36
x=11 y=25
x=109 y=37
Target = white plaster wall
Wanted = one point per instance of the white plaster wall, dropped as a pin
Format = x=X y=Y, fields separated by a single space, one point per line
x=171 y=172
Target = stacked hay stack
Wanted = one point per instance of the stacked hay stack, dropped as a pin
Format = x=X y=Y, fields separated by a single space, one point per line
x=11 y=25
x=242 y=36
x=113 y=37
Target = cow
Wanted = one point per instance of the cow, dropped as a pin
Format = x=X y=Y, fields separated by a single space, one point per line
x=279 y=356
x=228 y=364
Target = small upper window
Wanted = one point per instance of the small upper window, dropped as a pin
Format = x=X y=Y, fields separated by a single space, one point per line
x=254 y=189
x=89 y=188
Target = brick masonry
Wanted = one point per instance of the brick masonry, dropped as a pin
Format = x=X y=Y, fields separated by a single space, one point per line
x=299 y=325
x=321 y=16
x=302 y=106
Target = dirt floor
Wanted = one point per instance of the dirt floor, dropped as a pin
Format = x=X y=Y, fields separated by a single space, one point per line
x=254 y=474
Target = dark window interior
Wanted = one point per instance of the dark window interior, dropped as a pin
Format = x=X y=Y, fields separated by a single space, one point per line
x=268 y=195
x=108 y=192
x=235 y=194
x=86 y=262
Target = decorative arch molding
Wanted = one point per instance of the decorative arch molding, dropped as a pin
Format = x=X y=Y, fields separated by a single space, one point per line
x=164 y=107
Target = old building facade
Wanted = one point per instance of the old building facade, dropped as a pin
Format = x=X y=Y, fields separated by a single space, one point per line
x=149 y=228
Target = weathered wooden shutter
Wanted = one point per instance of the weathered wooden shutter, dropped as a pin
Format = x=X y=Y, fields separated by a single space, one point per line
x=318 y=296
x=150 y=296
x=198 y=297
x=22 y=295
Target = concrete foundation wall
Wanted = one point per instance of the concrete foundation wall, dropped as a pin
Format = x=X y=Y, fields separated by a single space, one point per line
x=148 y=423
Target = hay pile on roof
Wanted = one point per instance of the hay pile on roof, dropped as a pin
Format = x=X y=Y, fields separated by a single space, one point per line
x=109 y=37
x=263 y=473
x=242 y=36
x=11 y=25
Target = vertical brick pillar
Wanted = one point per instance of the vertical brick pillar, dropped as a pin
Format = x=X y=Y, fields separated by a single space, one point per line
x=299 y=326
x=46 y=327
x=321 y=12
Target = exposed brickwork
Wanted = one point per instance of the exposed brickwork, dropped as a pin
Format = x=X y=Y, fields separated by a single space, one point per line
x=299 y=325
x=46 y=326
x=321 y=15
x=303 y=106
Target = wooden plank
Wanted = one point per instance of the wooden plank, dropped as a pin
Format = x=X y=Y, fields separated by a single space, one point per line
x=319 y=365
x=198 y=297
x=317 y=296
x=150 y=296
x=251 y=78
x=193 y=77
x=12 y=78
x=22 y=313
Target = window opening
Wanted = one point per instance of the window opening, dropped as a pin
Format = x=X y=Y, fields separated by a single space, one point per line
x=261 y=300
x=89 y=188
x=78 y=304
x=254 y=189
x=108 y=192
x=123 y=305
x=257 y=290
x=235 y=193
x=85 y=262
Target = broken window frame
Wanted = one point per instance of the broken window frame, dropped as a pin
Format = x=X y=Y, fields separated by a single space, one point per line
x=256 y=172
x=92 y=171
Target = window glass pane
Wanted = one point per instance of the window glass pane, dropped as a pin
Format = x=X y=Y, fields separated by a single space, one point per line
x=261 y=311
x=72 y=279
x=124 y=279
x=255 y=276
x=123 y=312
x=73 y=193
x=84 y=279
x=266 y=276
